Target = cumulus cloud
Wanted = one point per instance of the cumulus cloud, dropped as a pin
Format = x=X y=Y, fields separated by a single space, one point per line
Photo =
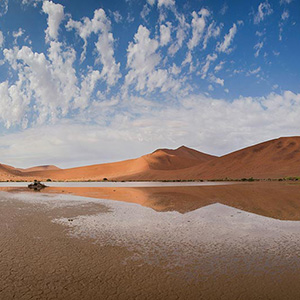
x=13 y=103
x=151 y=2
x=264 y=9
x=101 y=25
x=3 y=7
x=213 y=31
x=17 y=34
x=216 y=80
x=219 y=67
x=165 y=33
x=50 y=81
x=47 y=87
x=209 y=59
x=1 y=39
x=145 y=12
x=31 y=2
x=55 y=14
x=228 y=38
x=198 y=26
x=142 y=62
x=188 y=59
x=175 y=69
x=166 y=3
x=285 y=15
x=87 y=87
x=181 y=34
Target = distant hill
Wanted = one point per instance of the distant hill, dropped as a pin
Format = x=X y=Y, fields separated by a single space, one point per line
x=272 y=159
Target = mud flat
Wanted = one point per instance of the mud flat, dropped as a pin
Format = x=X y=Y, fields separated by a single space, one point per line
x=55 y=246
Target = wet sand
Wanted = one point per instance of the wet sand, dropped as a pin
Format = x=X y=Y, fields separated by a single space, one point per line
x=64 y=246
x=279 y=200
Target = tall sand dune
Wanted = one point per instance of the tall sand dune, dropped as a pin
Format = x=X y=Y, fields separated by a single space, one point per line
x=277 y=158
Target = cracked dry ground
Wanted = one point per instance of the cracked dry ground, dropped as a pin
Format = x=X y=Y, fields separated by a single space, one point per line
x=39 y=260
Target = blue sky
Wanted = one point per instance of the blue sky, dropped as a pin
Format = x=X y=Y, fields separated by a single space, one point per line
x=85 y=82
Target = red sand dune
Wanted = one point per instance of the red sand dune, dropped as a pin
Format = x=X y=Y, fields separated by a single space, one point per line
x=41 y=168
x=273 y=159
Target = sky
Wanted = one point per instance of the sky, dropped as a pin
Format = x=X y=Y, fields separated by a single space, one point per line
x=86 y=82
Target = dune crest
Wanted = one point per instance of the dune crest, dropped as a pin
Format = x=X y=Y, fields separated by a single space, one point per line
x=277 y=158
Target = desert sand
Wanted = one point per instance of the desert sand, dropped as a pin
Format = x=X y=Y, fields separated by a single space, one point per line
x=274 y=159
x=56 y=246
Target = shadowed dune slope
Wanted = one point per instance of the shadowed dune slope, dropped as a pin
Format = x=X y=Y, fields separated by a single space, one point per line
x=273 y=159
x=41 y=168
x=180 y=158
x=10 y=173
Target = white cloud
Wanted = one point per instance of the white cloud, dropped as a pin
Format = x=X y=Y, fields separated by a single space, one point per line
x=285 y=2
x=175 y=69
x=212 y=31
x=1 y=39
x=166 y=3
x=15 y=103
x=117 y=16
x=198 y=26
x=46 y=86
x=141 y=58
x=254 y=72
x=100 y=25
x=181 y=35
x=151 y=2
x=228 y=38
x=261 y=33
x=224 y=9
x=31 y=2
x=55 y=16
x=209 y=59
x=257 y=47
x=219 y=67
x=264 y=9
x=3 y=7
x=155 y=125
x=216 y=80
x=19 y=33
x=88 y=84
x=165 y=33
x=145 y=12
x=188 y=59
x=285 y=15
x=143 y=61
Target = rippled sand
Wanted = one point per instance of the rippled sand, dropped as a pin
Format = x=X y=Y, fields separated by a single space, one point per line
x=69 y=247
